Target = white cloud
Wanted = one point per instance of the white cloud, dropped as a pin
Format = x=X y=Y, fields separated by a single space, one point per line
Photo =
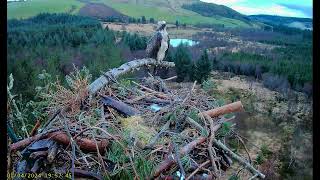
x=273 y=9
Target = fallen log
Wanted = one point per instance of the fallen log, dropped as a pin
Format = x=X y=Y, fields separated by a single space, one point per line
x=25 y=142
x=229 y=108
x=123 y=69
x=119 y=106
x=83 y=143
x=171 y=160
x=61 y=137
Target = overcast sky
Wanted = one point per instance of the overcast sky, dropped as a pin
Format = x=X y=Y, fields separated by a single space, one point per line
x=292 y=8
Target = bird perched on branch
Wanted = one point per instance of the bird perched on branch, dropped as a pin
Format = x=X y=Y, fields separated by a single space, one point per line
x=158 y=45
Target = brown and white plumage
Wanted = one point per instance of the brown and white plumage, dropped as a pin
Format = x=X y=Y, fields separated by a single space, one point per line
x=158 y=44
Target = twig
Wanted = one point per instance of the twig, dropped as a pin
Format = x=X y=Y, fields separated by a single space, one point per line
x=182 y=172
x=168 y=79
x=239 y=159
x=166 y=164
x=74 y=145
x=198 y=169
x=99 y=155
x=157 y=94
x=245 y=147
x=253 y=177
x=35 y=128
x=196 y=125
x=157 y=136
x=190 y=93
x=50 y=121
x=210 y=149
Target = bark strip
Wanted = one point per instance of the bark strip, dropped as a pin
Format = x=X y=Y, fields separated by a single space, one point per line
x=229 y=108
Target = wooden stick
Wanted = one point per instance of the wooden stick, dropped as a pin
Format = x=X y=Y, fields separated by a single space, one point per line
x=196 y=125
x=119 y=106
x=168 y=79
x=25 y=142
x=229 y=108
x=61 y=137
x=239 y=159
x=156 y=93
x=83 y=143
x=198 y=169
x=35 y=128
x=123 y=69
x=190 y=93
x=210 y=149
x=171 y=160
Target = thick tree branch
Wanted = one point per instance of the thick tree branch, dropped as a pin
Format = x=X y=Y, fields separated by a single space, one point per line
x=123 y=69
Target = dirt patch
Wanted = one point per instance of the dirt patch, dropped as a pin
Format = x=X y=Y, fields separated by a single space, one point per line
x=142 y=29
x=100 y=10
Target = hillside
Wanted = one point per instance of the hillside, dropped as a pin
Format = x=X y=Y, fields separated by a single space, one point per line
x=168 y=10
x=300 y=23
x=213 y=10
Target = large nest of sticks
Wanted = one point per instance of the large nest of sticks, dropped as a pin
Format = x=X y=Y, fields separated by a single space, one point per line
x=152 y=129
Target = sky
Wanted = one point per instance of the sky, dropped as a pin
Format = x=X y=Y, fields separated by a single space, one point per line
x=291 y=8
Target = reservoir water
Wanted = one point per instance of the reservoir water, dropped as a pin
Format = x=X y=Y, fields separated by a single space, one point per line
x=177 y=42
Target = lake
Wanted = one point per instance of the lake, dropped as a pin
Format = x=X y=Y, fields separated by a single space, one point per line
x=177 y=42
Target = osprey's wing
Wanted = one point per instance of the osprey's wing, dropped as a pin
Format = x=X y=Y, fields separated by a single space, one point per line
x=168 y=46
x=153 y=45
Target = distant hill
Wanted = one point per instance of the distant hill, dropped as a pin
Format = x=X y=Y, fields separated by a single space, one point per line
x=101 y=11
x=294 y=22
x=168 y=10
x=212 y=10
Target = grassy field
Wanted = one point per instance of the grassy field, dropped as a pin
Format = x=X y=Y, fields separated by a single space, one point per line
x=168 y=10
x=34 y=7
x=169 y=13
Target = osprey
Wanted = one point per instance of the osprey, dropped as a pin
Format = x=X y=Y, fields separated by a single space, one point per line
x=159 y=43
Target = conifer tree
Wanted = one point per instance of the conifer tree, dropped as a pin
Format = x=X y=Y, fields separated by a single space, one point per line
x=182 y=61
x=202 y=68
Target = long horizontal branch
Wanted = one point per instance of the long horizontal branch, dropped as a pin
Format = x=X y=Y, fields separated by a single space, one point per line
x=123 y=69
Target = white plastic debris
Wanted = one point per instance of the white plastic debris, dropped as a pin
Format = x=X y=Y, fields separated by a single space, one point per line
x=181 y=176
x=155 y=108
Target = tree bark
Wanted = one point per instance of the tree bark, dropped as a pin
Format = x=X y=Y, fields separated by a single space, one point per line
x=62 y=137
x=229 y=108
x=119 y=106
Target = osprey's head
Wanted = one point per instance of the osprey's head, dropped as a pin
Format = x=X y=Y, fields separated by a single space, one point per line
x=161 y=25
